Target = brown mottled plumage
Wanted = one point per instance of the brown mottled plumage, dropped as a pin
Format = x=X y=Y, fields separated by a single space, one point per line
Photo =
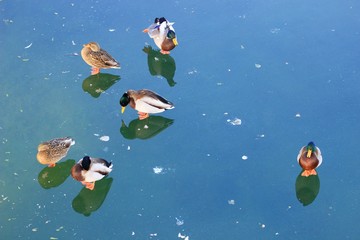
x=52 y=151
x=97 y=57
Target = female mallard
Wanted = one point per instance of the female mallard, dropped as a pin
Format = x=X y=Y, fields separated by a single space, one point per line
x=52 y=151
x=309 y=158
x=97 y=57
x=89 y=170
x=163 y=34
x=145 y=102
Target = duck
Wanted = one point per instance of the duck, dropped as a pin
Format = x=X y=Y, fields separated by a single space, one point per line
x=163 y=33
x=97 y=58
x=51 y=152
x=145 y=101
x=309 y=158
x=88 y=170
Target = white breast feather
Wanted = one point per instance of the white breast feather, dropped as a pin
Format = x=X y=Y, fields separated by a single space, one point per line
x=93 y=174
x=158 y=39
x=319 y=156
x=151 y=105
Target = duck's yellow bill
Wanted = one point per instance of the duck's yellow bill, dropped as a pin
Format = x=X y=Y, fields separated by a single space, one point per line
x=122 y=109
x=175 y=41
x=309 y=153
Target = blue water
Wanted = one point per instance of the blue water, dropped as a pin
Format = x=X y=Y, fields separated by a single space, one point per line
x=288 y=70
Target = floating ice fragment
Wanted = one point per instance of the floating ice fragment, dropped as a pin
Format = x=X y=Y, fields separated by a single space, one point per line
x=257 y=65
x=158 y=170
x=96 y=134
x=112 y=30
x=231 y=202
x=128 y=148
x=235 y=121
x=275 y=30
x=60 y=228
x=179 y=222
x=104 y=138
x=242 y=46
x=34 y=229
x=132 y=233
x=244 y=157
x=146 y=126
x=153 y=234
x=73 y=43
x=28 y=46
x=297 y=115
x=183 y=236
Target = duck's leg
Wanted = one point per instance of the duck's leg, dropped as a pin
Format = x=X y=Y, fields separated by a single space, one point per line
x=142 y=115
x=164 y=52
x=95 y=70
x=52 y=165
x=307 y=173
x=89 y=185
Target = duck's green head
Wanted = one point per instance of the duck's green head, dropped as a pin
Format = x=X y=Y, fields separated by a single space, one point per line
x=171 y=35
x=86 y=163
x=310 y=148
x=124 y=101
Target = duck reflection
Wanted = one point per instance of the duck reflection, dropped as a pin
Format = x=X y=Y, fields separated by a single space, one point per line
x=99 y=83
x=161 y=65
x=88 y=201
x=145 y=129
x=51 y=177
x=307 y=188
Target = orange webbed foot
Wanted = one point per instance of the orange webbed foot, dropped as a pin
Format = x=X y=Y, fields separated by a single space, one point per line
x=52 y=165
x=142 y=115
x=89 y=185
x=307 y=173
x=146 y=30
x=164 y=52
x=95 y=71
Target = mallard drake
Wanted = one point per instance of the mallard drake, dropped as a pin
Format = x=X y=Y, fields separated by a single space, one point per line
x=309 y=158
x=163 y=34
x=145 y=102
x=97 y=57
x=89 y=170
x=52 y=151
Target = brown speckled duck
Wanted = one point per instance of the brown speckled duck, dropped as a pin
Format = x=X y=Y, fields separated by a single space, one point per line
x=52 y=151
x=309 y=158
x=97 y=57
x=89 y=170
x=145 y=101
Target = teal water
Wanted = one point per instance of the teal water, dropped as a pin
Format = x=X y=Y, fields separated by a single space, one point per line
x=262 y=62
